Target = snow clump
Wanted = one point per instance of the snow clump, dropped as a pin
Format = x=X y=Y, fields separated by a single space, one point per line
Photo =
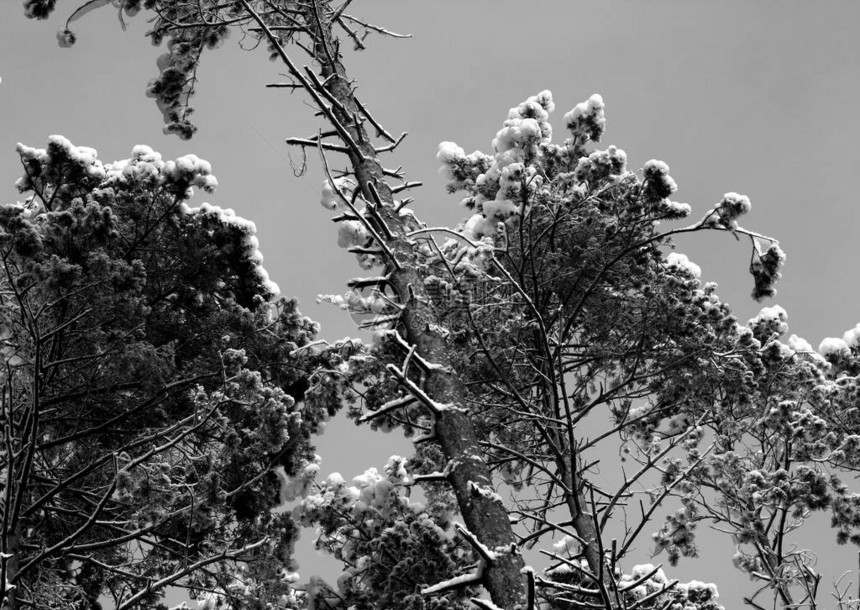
x=852 y=337
x=833 y=347
x=567 y=546
x=329 y=197
x=498 y=180
x=677 y=260
x=769 y=321
x=587 y=119
x=729 y=209
x=147 y=167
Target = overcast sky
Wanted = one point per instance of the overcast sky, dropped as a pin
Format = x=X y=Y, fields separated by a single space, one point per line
x=758 y=97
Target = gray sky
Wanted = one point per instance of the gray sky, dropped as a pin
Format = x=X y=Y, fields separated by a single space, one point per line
x=758 y=97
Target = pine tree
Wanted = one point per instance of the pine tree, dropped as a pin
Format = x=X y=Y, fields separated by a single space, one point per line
x=149 y=394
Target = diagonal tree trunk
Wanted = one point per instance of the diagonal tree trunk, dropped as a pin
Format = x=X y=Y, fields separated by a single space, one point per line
x=484 y=517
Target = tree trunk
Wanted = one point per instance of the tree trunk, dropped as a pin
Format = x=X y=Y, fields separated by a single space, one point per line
x=487 y=519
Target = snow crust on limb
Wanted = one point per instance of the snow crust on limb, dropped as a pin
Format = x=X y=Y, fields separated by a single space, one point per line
x=486 y=604
x=486 y=492
x=456 y=581
x=563 y=569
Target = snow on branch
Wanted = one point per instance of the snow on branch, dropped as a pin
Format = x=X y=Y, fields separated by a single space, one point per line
x=394 y=173
x=642 y=602
x=484 y=603
x=373 y=209
x=363 y=250
x=370 y=26
x=364 y=221
x=424 y=364
x=463 y=580
x=575 y=565
x=485 y=492
x=427 y=436
x=406 y=200
x=379 y=129
x=303 y=142
x=315 y=89
x=642 y=579
x=314 y=348
x=445 y=230
x=381 y=320
x=486 y=554
x=393 y=145
x=417 y=392
x=432 y=476
x=530 y=581
x=389 y=406
x=365 y=282
x=406 y=185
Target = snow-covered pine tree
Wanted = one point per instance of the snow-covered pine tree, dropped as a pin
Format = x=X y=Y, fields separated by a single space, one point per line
x=552 y=322
x=149 y=394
